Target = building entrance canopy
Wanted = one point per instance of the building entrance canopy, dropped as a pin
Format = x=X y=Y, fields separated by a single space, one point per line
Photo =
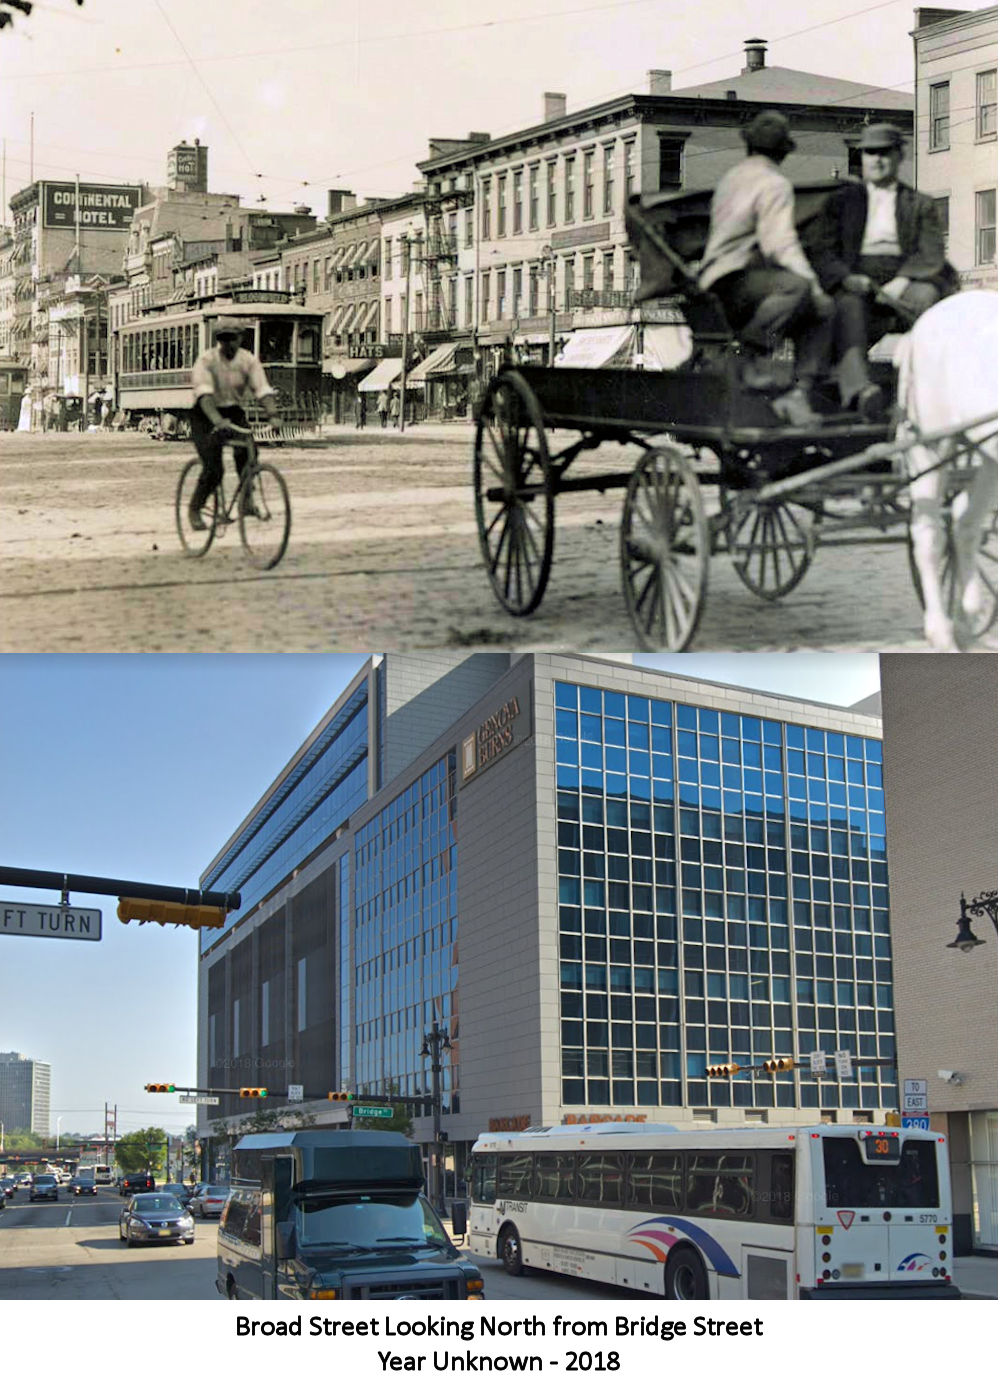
x=599 y=347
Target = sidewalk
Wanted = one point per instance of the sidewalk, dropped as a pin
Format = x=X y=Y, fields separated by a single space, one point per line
x=976 y=1275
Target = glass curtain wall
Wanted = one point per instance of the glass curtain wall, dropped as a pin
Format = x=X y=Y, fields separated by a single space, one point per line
x=723 y=898
x=406 y=940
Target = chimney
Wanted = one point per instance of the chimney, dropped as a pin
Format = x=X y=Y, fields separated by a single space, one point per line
x=339 y=201
x=480 y=137
x=755 y=50
x=659 y=82
x=555 y=105
x=302 y=209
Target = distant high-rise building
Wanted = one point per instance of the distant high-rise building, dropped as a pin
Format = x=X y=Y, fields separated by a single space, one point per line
x=24 y=1093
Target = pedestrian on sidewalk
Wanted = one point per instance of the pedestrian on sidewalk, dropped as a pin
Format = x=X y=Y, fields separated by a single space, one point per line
x=360 y=411
x=383 y=407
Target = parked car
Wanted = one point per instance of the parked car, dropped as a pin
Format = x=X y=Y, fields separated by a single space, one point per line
x=44 y=1187
x=136 y=1181
x=179 y=1189
x=209 y=1199
x=149 y=1218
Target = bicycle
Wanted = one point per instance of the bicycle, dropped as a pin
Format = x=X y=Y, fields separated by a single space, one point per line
x=259 y=503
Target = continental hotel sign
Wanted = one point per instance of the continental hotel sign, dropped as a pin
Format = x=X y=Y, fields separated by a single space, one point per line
x=496 y=734
x=107 y=207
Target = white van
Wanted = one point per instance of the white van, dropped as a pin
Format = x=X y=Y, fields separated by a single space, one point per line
x=102 y=1175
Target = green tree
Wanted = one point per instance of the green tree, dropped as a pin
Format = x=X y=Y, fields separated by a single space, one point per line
x=145 y=1148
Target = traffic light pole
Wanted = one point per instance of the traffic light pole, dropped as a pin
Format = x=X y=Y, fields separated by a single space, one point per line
x=95 y=884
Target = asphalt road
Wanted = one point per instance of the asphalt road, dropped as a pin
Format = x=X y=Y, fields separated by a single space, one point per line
x=383 y=555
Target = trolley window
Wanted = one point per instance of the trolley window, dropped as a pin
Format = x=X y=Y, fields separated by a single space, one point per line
x=308 y=344
x=276 y=342
x=911 y=1182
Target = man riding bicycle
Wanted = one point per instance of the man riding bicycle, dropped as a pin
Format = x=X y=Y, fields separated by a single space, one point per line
x=222 y=377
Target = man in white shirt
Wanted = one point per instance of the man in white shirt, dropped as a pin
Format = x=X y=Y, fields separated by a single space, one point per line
x=221 y=379
x=755 y=265
x=880 y=252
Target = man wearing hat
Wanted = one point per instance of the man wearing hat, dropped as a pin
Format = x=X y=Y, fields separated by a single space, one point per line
x=879 y=250
x=754 y=263
x=221 y=379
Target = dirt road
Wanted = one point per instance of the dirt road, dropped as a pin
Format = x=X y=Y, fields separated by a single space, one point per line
x=383 y=555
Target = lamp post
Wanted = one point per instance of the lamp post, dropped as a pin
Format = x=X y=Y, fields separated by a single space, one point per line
x=408 y=255
x=549 y=256
x=435 y=1041
x=985 y=903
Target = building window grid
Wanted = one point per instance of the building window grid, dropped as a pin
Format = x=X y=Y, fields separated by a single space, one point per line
x=986 y=227
x=940 y=117
x=739 y=922
x=405 y=904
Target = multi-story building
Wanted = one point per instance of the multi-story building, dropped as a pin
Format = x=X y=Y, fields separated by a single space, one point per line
x=7 y=293
x=596 y=879
x=940 y=718
x=549 y=253
x=24 y=1093
x=956 y=132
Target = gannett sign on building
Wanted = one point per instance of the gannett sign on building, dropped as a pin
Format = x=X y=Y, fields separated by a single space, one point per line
x=101 y=206
x=501 y=730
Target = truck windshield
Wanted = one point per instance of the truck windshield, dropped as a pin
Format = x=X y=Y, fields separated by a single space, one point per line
x=912 y=1181
x=368 y=1222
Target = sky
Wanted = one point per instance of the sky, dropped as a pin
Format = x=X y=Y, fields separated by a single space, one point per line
x=140 y=768
x=294 y=99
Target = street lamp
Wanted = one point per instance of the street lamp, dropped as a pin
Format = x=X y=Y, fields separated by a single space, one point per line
x=985 y=903
x=435 y=1041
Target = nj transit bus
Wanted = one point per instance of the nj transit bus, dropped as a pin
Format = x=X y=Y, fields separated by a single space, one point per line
x=821 y=1212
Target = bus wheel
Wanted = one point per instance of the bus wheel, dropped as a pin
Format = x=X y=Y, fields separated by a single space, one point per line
x=510 y=1251
x=686 y=1279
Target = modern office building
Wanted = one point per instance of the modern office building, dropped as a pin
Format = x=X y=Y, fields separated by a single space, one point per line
x=24 y=1093
x=596 y=879
x=940 y=717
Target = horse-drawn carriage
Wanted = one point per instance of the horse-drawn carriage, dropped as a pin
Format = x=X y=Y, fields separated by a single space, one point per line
x=778 y=491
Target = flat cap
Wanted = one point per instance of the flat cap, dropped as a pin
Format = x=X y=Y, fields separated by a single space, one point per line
x=769 y=133
x=881 y=136
x=229 y=325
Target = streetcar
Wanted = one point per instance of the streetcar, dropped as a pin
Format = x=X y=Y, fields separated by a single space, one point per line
x=154 y=356
x=13 y=382
x=830 y=1211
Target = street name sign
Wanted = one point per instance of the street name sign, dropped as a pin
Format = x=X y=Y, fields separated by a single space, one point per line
x=50 y=921
x=370 y=1110
x=197 y=1098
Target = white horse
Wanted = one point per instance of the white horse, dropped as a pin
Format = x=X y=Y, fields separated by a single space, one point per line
x=948 y=376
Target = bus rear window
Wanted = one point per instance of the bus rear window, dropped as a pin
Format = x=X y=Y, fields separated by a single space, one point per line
x=850 y=1181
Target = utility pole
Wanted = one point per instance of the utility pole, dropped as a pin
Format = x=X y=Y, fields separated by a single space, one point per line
x=435 y=1041
x=406 y=325
x=548 y=253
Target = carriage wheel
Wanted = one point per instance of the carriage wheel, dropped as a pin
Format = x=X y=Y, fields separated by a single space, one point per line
x=980 y=622
x=515 y=504
x=771 y=545
x=664 y=550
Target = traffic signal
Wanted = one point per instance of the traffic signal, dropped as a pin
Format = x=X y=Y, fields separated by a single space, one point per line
x=154 y=911
x=253 y=1093
x=777 y=1066
x=161 y=1089
x=342 y=1098
x=722 y=1071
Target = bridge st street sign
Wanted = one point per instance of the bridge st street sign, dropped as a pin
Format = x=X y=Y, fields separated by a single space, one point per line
x=367 y=1110
x=50 y=921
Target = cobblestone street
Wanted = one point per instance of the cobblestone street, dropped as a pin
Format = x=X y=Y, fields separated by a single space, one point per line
x=383 y=555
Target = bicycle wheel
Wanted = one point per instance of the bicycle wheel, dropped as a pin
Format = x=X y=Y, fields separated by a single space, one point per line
x=195 y=542
x=265 y=516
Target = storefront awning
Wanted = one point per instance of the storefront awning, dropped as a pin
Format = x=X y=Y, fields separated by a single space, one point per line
x=437 y=360
x=348 y=321
x=363 y=253
x=341 y=366
x=665 y=347
x=337 y=318
x=599 y=347
x=381 y=376
x=369 y=318
x=339 y=255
